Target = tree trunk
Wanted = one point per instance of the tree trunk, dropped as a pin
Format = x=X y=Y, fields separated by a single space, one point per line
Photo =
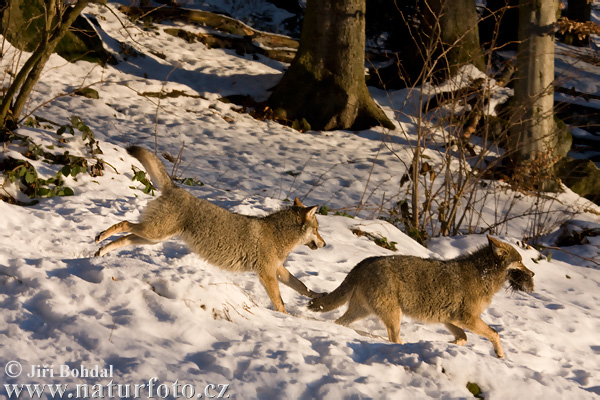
x=533 y=137
x=325 y=84
x=452 y=26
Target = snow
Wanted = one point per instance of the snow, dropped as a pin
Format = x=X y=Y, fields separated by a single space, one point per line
x=162 y=312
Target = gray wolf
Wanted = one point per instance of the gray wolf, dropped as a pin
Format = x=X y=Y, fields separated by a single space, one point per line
x=454 y=292
x=230 y=241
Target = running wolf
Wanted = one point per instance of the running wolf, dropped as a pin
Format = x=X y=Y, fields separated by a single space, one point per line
x=454 y=292
x=230 y=241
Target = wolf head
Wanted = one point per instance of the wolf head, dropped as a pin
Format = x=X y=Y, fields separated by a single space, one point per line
x=310 y=226
x=518 y=275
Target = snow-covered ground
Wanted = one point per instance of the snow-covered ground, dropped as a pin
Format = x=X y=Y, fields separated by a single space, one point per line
x=161 y=312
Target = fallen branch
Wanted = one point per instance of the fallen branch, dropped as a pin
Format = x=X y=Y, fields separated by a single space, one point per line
x=242 y=45
x=235 y=32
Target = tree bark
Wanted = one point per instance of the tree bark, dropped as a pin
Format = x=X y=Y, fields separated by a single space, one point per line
x=325 y=84
x=433 y=38
x=452 y=26
x=534 y=134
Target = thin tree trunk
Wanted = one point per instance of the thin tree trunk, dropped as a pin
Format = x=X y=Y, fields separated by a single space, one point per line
x=28 y=75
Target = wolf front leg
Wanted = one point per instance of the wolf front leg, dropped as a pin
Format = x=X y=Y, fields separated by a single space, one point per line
x=290 y=280
x=476 y=325
x=272 y=287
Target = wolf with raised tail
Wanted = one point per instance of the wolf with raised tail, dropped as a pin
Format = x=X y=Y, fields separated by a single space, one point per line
x=453 y=292
x=227 y=240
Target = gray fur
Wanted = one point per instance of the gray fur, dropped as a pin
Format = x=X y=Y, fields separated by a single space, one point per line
x=453 y=292
x=230 y=241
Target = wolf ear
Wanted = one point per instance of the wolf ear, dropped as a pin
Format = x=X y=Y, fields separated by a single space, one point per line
x=298 y=203
x=309 y=213
x=498 y=248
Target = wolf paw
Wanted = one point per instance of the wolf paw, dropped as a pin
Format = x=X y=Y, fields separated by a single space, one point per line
x=314 y=307
x=459 y=342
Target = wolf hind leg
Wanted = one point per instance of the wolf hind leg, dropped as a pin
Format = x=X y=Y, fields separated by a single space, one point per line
x=123 y=226
x=154 y=230
x=460 y=337
x=142 y=233
x=128 y=240
x=356 y=310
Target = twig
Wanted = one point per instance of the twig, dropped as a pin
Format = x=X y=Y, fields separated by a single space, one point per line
x=570 y=253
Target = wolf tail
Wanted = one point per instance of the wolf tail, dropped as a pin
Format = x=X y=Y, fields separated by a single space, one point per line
x=153 y=166
x=333 y=300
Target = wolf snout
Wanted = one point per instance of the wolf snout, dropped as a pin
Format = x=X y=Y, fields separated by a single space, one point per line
x=314 y=245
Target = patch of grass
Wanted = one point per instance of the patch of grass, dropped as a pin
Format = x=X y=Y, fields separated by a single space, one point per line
x=324 y=210
x=172 y=94
x=379 y=240
x=140 y=176
x=189 y=181
x=23 y=172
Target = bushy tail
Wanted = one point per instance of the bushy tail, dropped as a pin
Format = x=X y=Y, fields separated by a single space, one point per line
x=153 y=166
x=333 y=300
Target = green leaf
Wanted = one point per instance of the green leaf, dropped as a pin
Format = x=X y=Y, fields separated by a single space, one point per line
x=65 y=128
x=68 y=192
x=475 y=390
x=30 y=176
x=43 y=191
x=66 y=170
x=75 y=120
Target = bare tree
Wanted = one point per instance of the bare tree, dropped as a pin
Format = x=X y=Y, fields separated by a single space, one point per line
x=58 y=16
x=325 y=84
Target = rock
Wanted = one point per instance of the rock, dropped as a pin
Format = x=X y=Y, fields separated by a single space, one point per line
x=581 y=176
x=23 y=20
x=87 y=92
